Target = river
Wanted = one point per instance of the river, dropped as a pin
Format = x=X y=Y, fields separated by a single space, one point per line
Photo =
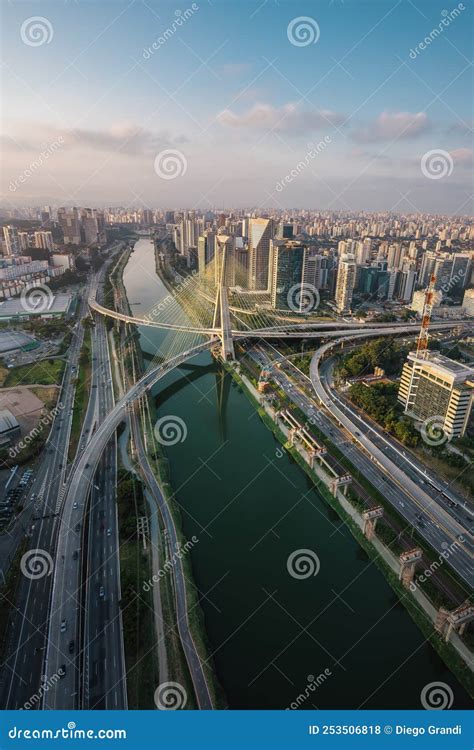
x=270 y=634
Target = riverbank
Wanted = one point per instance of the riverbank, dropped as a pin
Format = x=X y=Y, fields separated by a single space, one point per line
x=455 y=654
x=163 y=586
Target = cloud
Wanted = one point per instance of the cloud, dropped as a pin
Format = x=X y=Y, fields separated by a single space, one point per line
x=123 y=138
x=463 y=156
x=285 y=119
x=465 y=128
x=393 y=125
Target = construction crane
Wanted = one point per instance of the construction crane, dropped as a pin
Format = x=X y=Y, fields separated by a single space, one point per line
x=422 y=344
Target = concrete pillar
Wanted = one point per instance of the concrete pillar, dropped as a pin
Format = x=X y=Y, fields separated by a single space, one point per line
x=408 y=562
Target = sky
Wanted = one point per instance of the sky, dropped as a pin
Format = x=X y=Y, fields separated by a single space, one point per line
x=334 y=105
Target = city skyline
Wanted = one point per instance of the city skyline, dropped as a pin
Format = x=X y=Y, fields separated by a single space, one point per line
x=259 y=107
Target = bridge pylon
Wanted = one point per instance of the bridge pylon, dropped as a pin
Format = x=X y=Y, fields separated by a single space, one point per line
x=222 y=314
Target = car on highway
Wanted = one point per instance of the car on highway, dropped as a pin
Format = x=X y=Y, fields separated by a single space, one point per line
x=63 y=626
x=109 y=532
x=74 y=505
x=71 y=647
x=101 y=592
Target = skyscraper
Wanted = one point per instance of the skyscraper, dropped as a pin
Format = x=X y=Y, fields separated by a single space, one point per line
x=346 y=274
x=288 y=261
x=260 y=234
x=206 y=249
x=12 y=241
x=70 y=223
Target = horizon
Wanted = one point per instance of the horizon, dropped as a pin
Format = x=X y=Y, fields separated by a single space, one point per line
x=255 y=103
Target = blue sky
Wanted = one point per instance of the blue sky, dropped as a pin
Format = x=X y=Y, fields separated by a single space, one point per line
x=240 y=101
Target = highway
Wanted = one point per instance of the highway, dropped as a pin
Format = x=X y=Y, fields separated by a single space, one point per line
x=193 y=659
x=67 y=579
x=27 y=634
x=87 y=550
x=438 y=527
x=437 y=488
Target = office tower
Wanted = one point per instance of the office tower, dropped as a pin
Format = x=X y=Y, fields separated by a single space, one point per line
x=206 y=249
x=405 y=284
x=460 y=273
x=346 y=275
x=12 y=241
x=147 y=217
x=287 y=261
x=260 y=234
x=284 y=232
x=169 y=217
x=70 y=222
x=433 y=385
x=90 y=226
x=315 y=272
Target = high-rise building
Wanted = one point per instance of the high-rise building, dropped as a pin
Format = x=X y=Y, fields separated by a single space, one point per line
x=405 y=284
x=284 y=232
x=315 y=273
x=206 y=249
x=25 y=241
x=346 y=276
x=433 y=385
x=260 y=235
x=70 y=222
x=287 y=261
x=12 y=241
x=44 y=240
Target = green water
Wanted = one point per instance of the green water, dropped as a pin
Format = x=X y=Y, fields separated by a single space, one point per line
x=251 y=509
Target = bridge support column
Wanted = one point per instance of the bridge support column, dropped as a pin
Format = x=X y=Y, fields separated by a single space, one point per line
x=370 y=520
x=408 y=562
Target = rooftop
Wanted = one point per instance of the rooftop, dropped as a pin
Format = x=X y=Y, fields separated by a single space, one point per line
x=7 y=421
x=450 y=367
x=15 y=307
